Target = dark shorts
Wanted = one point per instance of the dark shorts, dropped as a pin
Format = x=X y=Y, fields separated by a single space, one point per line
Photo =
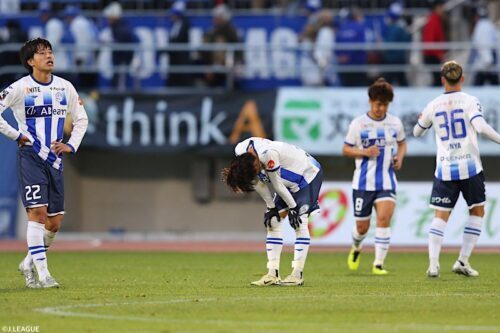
x=306 y=198
x=445 y=193
x=39 y=183
x=363 y=201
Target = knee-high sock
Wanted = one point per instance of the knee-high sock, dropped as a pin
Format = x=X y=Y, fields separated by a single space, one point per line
x=357 y=238
x=274 y=245
x=36 y=247
x=302 y=241
x=48 y=238
x=382 y=241
x=436 y=234
x=472 y=231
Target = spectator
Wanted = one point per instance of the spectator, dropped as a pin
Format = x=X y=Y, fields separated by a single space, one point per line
x=395 y=32
x=313 y=24
x=83 y=34
x=15 y=34
x=223 y=32
x=179 y=34
x=433 y=32
x=352 y=30
x=53 y=31
x=121 y=33
x=484 y=55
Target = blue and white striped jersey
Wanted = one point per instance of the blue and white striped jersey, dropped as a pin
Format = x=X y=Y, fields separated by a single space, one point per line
x=375 y=173
x=456 y=139
x=40 y=111
x=297 y=168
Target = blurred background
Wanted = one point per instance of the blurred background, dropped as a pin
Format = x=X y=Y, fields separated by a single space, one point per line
x=171 y=86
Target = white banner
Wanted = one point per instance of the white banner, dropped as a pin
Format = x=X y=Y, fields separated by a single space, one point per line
x=410 y=222
x=317 y=119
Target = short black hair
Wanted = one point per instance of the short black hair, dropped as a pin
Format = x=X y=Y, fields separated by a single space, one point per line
x=241 y=174
x=381 y=91
x=29 y=49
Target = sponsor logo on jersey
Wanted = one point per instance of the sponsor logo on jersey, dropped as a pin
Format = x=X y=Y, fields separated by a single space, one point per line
x=270 y=164
x=32 y=90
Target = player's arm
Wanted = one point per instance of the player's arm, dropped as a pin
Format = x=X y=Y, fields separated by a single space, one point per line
x=273 y=167
x=8 y=97
x=351 y=151
x=482 y=127
x=265 y=193
x=402 y=147
x=80 y=124
x=424 y=122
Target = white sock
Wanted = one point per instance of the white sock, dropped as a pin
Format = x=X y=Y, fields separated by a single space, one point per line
x=382 y=241
x=36 y=247
x=436 y=234
x=357 y=238
x=48 y=238
x=274 y=245
x=302 y=241
x=472 y=231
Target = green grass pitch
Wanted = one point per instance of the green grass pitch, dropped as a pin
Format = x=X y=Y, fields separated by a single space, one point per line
x=208 y=292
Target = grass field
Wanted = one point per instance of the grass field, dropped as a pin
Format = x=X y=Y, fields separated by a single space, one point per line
x=186 y=292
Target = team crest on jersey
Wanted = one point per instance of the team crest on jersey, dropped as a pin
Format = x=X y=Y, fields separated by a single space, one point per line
x=3 y=94
x=59 y=96
x=270 y=164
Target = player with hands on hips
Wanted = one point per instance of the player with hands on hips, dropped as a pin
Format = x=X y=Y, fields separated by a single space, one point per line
x=40 y=102
x=376 y=140
x=295 y=177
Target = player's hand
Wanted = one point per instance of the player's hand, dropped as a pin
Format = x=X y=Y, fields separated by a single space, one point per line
x=268 y=216
x=372 y=151
x=58 y=148
x=22 y=141
x=397 y=163
x=294 y=217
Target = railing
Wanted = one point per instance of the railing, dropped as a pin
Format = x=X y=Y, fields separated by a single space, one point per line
x=234 y=70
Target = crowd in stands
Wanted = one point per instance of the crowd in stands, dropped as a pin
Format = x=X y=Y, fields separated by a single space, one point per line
x=324 y=32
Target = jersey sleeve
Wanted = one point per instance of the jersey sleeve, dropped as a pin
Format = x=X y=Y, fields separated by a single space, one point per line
x=352 y=134
x=425 y=118
x=8 y=97
x=271 y=160
x=79 y=116
x=474 y=110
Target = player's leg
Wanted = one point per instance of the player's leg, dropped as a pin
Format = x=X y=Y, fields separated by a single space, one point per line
x=34 y=194
x=443 y=198
x=307 y=200
x=473 y=191
x=274 y=246
x=384 y=205
x=363 y=203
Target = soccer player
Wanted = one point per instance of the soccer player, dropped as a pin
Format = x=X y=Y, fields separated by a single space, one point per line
x=271 y=166
x=457 y=118
x=40 y=102
x=376 y=140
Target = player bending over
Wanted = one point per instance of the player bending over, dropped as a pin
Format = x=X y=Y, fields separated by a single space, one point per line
x=271 y=166
x=40 y=102
x=376 y=140
x=457 y=118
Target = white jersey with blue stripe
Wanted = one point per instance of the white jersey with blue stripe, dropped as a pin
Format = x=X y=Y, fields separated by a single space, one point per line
x=297 y=168
x=375 y=173
x=451 y=115
x=40 y=110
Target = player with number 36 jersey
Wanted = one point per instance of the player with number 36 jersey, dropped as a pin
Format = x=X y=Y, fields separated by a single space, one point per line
x=457 y=118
